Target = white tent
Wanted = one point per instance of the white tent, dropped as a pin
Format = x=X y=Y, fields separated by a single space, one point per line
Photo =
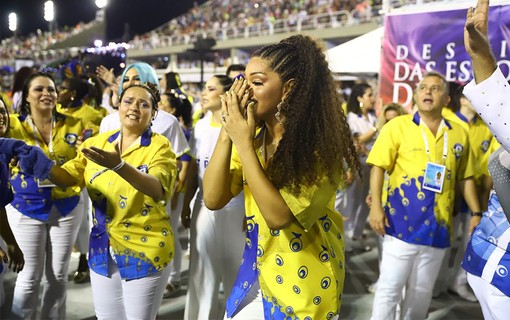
x=360 y=55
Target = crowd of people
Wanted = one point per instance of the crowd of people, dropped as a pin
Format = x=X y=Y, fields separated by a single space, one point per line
x=24 y=47
x=223 y=19
x=274 y=179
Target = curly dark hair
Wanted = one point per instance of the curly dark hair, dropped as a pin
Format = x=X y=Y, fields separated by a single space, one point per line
x=317 y=141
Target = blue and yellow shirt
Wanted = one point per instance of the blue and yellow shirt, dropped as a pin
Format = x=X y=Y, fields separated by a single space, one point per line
x=300 y=268
x=132 y=224
x=30 y=199
x=417 y=215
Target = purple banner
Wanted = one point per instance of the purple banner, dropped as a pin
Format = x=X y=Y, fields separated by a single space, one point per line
x=416 y=43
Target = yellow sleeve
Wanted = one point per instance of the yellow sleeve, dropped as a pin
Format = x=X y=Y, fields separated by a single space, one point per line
x=468 y=167
x=76 y=166
x=163 y=166
x=384 y=151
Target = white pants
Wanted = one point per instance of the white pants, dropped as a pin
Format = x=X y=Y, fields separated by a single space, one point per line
x=217 y=242
x=459 y=274
x=119 y=299
x=495 y=304
x=5 y=269
x=46 y=245
x=175 y=218
x=454 y=276
x=83 y=239
x=406 y=265
x=354 y=206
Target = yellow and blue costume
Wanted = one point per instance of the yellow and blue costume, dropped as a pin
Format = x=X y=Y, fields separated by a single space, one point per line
x=132 y=224
x=30 y=199
x=300 y=268
x=417 y=215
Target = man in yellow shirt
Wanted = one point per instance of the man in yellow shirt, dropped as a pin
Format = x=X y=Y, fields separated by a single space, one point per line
x=416 y=216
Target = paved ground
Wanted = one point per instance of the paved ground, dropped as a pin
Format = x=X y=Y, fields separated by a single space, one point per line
x=361 y=271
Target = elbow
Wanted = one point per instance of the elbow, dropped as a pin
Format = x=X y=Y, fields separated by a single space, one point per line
x=213 y=203
x=214 y=199
x=277 y=225
x=281 y=223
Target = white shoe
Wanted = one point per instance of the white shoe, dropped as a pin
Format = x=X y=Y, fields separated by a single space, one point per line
x=463 y=292
x=372 y=287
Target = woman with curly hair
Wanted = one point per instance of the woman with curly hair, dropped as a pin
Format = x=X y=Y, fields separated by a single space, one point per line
x=293 y=263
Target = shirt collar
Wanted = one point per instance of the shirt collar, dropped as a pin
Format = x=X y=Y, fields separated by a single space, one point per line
x=145 y=138
x=417 y=119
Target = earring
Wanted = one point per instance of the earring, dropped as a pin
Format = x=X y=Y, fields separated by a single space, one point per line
x=361 y=105
x=278 y=114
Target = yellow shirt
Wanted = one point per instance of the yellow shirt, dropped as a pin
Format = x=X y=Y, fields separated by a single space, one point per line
x=135 y=226
x=480 y=138
x=417 y=215
x=84 y=112
x=30 y=199
x=300 y=268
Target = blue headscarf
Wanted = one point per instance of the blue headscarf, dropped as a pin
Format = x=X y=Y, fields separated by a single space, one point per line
x=145 y=71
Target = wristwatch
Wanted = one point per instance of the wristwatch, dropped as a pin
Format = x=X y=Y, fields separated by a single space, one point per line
x=477 y=214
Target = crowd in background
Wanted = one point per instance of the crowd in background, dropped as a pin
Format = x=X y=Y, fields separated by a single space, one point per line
x=212 y=17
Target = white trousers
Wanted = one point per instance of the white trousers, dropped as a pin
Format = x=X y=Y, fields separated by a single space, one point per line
x=175 y=218
x=47 y=246
x=406 y=265
x=353 y=205
x=119 y=299
x=495 y=304
x=459 y=274
x=217 y=242
x=83 y=238
x=454 y=276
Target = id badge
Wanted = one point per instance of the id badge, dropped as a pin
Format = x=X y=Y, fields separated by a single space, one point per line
x=434 y=177
x=46 y=183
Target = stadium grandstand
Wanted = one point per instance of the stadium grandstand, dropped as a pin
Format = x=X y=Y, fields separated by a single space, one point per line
x=237 y=26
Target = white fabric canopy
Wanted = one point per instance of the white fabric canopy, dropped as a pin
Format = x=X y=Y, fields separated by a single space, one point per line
x=360 y=55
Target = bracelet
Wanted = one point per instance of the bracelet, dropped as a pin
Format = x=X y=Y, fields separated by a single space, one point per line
x=117 y=167
x=477 y=214
x=374 y=128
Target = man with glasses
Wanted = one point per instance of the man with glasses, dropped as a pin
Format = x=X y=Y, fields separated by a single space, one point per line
x=416 y=217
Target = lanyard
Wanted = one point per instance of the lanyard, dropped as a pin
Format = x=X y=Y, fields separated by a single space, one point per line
x=36 y=139
x=427 y=148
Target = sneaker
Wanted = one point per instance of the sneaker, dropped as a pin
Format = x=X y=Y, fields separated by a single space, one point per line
x=372 y=287
x=172 y=290
x=81 y=276
x=463 y=292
